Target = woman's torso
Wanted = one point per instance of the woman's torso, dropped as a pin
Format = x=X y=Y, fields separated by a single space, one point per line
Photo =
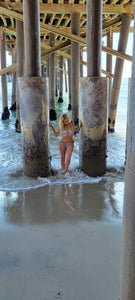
x=67 y=133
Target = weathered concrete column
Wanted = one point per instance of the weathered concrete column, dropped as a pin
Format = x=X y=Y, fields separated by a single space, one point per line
x=53 y=115
x=34 y=120
x=75 y=70
x=93 y=114
x=5 y=111
x=125 y=26
x=60 y=100
x=33 y=93
x=127 y=289
x=20 y=68
x=13 y=102
x=109 y=61
x=69 y=80
x=93 y=98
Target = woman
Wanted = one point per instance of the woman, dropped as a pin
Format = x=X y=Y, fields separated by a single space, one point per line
x=66 y=144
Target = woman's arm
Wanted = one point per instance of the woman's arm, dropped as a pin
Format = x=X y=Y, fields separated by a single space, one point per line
x=55 y=132
x=78 y=129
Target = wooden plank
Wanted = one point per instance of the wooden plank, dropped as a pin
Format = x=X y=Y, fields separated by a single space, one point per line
x=4 y=20
x=12 y=22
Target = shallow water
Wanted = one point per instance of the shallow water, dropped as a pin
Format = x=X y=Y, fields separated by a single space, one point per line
x=12 y=177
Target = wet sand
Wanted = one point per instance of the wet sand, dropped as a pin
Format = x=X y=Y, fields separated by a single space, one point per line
x=61 y=242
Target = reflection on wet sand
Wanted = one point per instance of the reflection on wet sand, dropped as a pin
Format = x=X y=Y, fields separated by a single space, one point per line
x=55 y=203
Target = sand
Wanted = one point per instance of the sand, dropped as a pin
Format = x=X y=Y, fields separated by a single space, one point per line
x=61 y=242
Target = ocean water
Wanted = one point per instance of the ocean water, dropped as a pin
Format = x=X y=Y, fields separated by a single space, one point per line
x=12 y=177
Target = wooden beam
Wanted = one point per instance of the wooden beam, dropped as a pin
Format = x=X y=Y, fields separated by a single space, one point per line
x=9 y=30
x=62 y=32
x=68 y=56
x=8 y=70
x=10 y=13
x=120 y=9
x=55 y=48
x=69 y=35
x=12 y=68
x=70 y=8
x=4 y=20
x=117 y=53
x=61 y=70
x=112 y=22
x=55 y=30
x=47 y=27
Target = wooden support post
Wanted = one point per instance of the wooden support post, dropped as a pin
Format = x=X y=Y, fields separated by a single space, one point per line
x=81 y=65
x=32 y=38
x=20 y=68
x=42 y=71
x=109 y=62
x=93 y=37
x=65 y=76
x=93 y=98
x=75 y=69
x=56 y=83
x=60 y=100
x=47 y=68
x=13 y=102
x=53 y=115
x=5 y=111
x=127 y=288
x=69 y=80
x=126 y=19
x=33 y=93
x=93 y=113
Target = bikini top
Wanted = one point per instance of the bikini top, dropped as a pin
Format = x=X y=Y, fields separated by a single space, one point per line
x=66 y=132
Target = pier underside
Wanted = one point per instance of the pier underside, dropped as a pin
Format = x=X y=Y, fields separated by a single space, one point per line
x=55 y=17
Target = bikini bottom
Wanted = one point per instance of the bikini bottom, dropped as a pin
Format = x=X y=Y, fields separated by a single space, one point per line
x=67 y=144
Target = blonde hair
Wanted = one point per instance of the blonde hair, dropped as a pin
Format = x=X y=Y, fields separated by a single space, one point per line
x=63 y=117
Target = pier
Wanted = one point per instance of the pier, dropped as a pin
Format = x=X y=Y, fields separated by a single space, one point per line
x=43 y=38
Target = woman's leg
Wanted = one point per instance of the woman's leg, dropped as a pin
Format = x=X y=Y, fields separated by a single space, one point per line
x=63 y=152
x=68 y=156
